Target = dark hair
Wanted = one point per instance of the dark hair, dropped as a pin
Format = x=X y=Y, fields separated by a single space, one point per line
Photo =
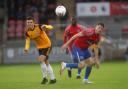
x=30 y=18
x=73 y=21
x=73 y=18
x=100 y=23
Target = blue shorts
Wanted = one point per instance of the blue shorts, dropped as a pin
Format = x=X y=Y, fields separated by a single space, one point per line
x=79 y=55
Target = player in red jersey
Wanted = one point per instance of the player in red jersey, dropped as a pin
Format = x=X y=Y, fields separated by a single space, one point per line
x=83 y=40
x=70 y=31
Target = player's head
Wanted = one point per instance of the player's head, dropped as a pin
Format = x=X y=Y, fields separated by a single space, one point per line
x=30 y=22
x=73 y=21
x=99 y=27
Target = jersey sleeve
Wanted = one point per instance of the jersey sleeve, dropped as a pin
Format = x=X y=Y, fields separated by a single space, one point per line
x=48 y=27
x=27 y=43
x=45 y=27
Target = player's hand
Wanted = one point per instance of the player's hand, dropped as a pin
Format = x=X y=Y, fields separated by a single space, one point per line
x=26 y=51
x=97 y=64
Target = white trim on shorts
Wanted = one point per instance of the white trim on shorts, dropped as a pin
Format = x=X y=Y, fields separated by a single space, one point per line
x=78 y=56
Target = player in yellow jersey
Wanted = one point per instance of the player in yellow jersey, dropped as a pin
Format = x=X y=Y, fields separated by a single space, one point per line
x=37 y=33
x=97 y=48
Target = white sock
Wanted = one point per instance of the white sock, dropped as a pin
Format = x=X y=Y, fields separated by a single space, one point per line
x=69 y=68
x=85 y=79
x=44 y=69
x=78 y=74
x=50 y=72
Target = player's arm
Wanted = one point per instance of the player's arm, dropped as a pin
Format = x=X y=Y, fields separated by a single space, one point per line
x=82 y=27
x=96 y=53
x=80 y=34
x=104 y=39
x=66 y=39
x=27 y=45
x=47 y=27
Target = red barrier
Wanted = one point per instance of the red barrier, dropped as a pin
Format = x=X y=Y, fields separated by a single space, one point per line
x=119 y=8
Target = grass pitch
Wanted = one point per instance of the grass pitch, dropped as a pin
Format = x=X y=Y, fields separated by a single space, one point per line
x=113 y=75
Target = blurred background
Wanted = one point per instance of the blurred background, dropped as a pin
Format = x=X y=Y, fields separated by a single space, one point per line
x=113 y=13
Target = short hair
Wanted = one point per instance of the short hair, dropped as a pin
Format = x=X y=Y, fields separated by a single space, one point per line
x=100 y=23
x=30 y=18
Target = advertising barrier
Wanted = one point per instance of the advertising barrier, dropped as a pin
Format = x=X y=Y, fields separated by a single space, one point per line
x=102 y=9
x=119 y=8
x=93 y=9
x=16 y=55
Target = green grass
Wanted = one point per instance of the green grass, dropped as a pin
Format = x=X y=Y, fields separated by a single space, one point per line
x=113 y=75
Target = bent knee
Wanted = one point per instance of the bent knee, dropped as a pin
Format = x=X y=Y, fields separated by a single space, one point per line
x=90 y=62
x=81 y=65
x=41 y=58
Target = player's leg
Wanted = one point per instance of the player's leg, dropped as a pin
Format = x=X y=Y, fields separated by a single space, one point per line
x=79 y=74
x=90 y=62
x=67 y=65
x=49 y=68
x=88 y=72
x=89 y=68
x=78 y=53
x=69 y=72
x=73 y=54
x=80 y=65
x=41 y=59
x=79 y=69
x=51 y=73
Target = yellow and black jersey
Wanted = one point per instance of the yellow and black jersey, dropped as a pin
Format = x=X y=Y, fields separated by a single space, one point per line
x=96 y=47
x=39 y=36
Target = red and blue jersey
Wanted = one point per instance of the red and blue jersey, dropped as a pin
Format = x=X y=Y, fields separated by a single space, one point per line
x=89 y=38
x=70 y=31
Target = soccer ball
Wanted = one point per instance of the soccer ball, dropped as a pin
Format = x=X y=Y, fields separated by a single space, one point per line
x=60 y=10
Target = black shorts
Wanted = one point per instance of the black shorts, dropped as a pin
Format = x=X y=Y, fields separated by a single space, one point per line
x=45 y=51
x=99 y=52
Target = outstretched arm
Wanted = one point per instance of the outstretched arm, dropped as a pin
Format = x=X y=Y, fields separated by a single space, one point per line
x=96 y=53
x=72 y=39
x=27 y=45
x=104 y=39
x=47 y=27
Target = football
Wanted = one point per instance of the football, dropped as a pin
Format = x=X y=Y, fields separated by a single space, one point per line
x=60 y=10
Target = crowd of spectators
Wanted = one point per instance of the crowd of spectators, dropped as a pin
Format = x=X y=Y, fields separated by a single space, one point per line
x=100 y=0
x=18 y=10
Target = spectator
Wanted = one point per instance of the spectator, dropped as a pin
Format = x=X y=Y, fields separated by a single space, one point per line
x=20 y=13
x=41 y=10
